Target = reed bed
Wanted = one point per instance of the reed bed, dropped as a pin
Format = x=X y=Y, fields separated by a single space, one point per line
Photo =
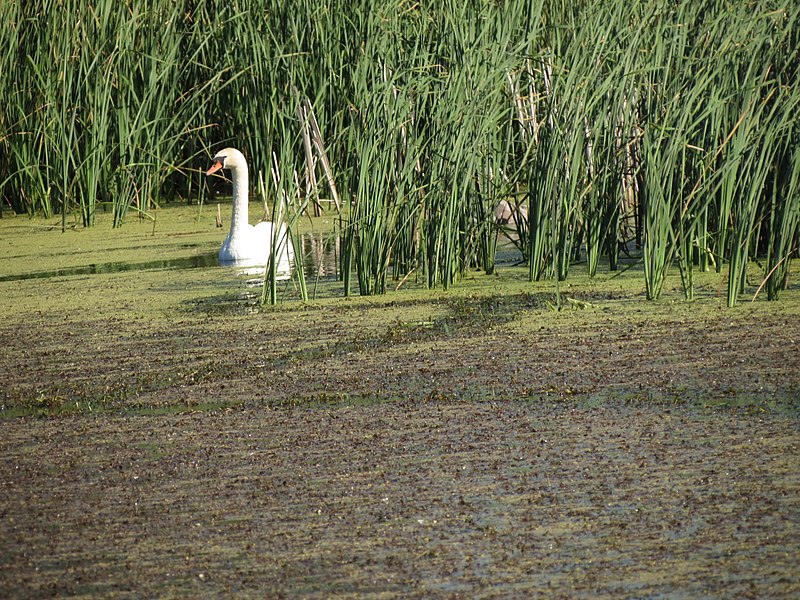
x=672 y=127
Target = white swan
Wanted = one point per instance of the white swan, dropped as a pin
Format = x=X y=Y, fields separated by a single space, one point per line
x=248 y=245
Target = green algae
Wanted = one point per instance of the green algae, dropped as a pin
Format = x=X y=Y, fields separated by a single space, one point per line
x=164 y=335
x=455 y=440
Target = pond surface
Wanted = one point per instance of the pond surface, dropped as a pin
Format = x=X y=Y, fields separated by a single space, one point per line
x=320 y=259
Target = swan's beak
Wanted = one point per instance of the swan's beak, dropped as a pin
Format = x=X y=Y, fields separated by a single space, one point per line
x=215 y=167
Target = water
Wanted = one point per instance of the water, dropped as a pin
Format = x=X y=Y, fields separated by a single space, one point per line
x=191 y=262
x=320 y=255
x=320 y=260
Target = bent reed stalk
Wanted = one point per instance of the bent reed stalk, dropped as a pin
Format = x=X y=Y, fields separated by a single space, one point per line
x=674 y=126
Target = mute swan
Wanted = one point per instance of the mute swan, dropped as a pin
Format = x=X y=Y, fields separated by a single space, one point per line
x=248 y=245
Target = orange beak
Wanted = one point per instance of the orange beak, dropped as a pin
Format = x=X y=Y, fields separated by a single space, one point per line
x=215 y=167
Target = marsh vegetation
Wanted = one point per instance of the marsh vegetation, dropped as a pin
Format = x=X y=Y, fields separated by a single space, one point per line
x=670 y=125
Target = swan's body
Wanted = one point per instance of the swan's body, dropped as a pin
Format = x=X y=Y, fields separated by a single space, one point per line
x=246 y=244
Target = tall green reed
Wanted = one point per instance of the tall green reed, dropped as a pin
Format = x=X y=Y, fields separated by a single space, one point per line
x=681 y=117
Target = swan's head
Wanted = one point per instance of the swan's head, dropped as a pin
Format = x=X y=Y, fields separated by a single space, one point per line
x=228 y=158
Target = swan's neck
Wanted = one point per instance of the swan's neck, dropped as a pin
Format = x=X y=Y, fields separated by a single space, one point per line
x=239 y=218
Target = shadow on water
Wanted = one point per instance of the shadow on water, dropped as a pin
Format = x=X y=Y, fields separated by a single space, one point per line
x=320 y=260
x=190 y=262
